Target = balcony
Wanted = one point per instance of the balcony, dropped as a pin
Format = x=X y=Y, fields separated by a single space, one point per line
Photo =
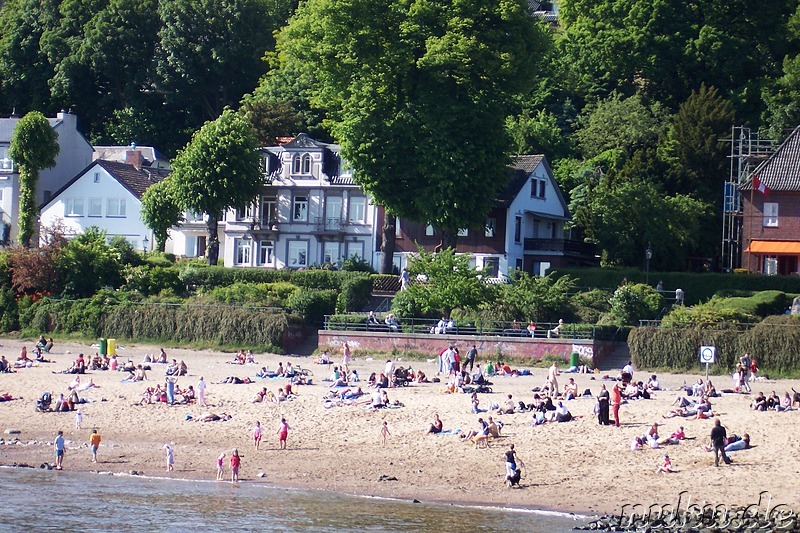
x=329 y=225
x=561 y=246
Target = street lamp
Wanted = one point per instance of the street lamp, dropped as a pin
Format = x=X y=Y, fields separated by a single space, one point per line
x=144 y=243
x=649 y=255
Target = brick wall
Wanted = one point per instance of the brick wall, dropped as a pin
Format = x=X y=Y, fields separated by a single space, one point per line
x=788 y=228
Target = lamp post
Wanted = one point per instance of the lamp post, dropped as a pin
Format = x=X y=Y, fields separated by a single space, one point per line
x=648 y=255
x=145 y=241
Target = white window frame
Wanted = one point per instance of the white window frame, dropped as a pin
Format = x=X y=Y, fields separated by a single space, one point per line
x=357 y=209
x=95 y=208
x=242 y=251
x=330 y=252
x=770 y=265
x=297 y=202
x=298 y=254
x=770 y=214
x=6 y=163
x=246 y=212
x=266 y=253
x=490 y=227
x=116 y=208
x=306 y=165
x=269 y=209
x=355 y=248
x=429 y=231
x=296 y=164
x=73 y=207
x=463 y=232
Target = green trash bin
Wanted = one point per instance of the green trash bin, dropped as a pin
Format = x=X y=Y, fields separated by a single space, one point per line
x=574 y=359
x=103 y=346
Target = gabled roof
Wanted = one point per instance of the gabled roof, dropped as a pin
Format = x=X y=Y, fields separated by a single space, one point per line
x=136 y=181
x=781 y=171
x=303 y=141
x=7 y=125
x=521 y=167
x=118 y=153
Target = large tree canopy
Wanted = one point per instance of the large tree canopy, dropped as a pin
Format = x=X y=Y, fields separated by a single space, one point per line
x=416 y=92
x=218 y=169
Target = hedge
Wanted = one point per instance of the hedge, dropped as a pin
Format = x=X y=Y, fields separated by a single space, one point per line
x=354 y=295
x=697 y=287
x=219 y=276
x=775 y=343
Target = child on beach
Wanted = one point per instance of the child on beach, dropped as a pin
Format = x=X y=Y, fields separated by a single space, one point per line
x=283 y=433
x=257 y=432
x=235 y=462
x=220 y=469
x=666 y=468
x=78 y=418
x=385 y=432
x=170 y=457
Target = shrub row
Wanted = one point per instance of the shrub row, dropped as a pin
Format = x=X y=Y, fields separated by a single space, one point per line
x=697 y=287
x=775 y=343
x=218 y=276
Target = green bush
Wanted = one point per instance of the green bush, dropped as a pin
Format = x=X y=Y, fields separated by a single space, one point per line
x=150 y=280
x=405 y=304
x=763 y=303
x=703 y=316
x=354 y=294
x=587 y=307
x=631 y=303
x=9 y=311
x=159 y=259
x=357 y=264
x=312 y=305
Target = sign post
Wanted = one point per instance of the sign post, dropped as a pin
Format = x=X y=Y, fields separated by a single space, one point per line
x=708 y=355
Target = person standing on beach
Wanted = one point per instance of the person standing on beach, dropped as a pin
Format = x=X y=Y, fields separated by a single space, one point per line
x=346 y=359
x=201 y=392
x=235 y=462
x=78 y=418
x=718 y=437
x=170 y=458
x=385 y=432
x=472 y=355
x=220 y=467
x=511 y=461
x=602 y=404
x=552 y=380
x=283 y=433
x=94 y=441
x=60 y=450
x=616 y=401
x=257 y=432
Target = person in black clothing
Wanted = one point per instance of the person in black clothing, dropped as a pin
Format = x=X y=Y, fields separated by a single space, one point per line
x=718 y=436
x=472 y=354
x=511 y=461
x=602 y=401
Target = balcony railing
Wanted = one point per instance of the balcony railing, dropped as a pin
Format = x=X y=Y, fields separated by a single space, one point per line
x=329 y=224
x=565 y=246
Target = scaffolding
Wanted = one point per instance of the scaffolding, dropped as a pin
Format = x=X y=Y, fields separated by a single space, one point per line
x=748 y=150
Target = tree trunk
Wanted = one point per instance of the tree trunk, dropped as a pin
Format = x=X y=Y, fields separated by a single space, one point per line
x=449 y=239
x=388 y=241
x=212 y=251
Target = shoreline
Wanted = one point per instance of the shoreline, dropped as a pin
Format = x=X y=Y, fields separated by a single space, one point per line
x=572 y=468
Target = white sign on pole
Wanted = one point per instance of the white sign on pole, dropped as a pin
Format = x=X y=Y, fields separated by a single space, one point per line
x=708 y=354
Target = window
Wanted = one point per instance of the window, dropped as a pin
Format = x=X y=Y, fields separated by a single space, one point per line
x=115 y=207
x=74 y=207
x=517 y=229
x=519 y=264
x=245 y=213
x=358 y=208
x=6 y=163
x=771 y=266
x=770 y=215
x=300 y=211
x=95 y=207
x=333 y=209
x=397 y=231
x=266 y=253
x=306 y=164
x=463 y=232
x=242 y=247
x=298 y=254
x=194 y=216
x=491 y=266
x=330 y=253
x=296 y=164
x=429 y=230
x=355 y=249
x=538 y=187
x=1 y=196
x=96 y=178
x=269 y=210
x=490 y=227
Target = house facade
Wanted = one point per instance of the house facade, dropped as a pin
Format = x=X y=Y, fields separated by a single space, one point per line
x=523 y=231
x=771 y=212
x=75 y=154
x=106 y=194
x=309 y=212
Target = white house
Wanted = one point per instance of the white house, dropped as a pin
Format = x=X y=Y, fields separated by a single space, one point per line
x=75 y=154
x=310 y=212
x=106 y=194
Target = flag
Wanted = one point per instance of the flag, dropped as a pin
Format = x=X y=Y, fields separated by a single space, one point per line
x=759 y=186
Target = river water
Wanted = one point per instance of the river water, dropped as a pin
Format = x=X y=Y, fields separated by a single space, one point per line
x=40 y=500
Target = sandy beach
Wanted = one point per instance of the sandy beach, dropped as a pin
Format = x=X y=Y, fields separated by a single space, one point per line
x=577 y=466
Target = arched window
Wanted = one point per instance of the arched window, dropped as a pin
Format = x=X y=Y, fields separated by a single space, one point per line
x=296 y=164
x=306 y=164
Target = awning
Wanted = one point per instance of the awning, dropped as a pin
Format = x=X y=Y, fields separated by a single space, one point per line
x=774 y=247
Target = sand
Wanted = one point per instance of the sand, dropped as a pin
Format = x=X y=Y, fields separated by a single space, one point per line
x=577 y=466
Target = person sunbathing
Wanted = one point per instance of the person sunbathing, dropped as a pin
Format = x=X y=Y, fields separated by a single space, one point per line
x=436 y=425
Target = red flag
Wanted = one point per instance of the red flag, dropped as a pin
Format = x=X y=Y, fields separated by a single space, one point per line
x=759 y=186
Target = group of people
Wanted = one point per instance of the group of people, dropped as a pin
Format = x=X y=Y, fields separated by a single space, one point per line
x=773 y=402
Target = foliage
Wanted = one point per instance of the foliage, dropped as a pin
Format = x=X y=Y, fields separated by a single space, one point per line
x=33 y=271
x=451 y=284
x=540 y=299
x=34 y=146
x=354 y=294
x=538 y=133
x=87 y=264
x=590 y=305
x=313 y=304
x=151 y=280
x=218 y=170
x=160 y=211
x=433 y=79
x=259 y=294
x=9 y=313
x=633 y=302
x=128 y=255
x=355 y=263
x=706 y=315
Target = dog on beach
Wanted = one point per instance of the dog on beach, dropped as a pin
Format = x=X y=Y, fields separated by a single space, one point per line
x=514 y=479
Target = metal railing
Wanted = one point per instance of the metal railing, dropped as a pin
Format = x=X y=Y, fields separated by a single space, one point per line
x=329 y=223
x=431 y=326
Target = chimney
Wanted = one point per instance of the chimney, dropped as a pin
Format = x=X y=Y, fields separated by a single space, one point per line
x=134 y=157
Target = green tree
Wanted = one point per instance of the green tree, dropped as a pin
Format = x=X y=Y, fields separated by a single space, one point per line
x=87 y=263
x=634 y=302
x=161 y=211
x=451 y=283
x=538 y=133
x=34 y=146
x=537 y=298
x=218 y=169
x=432 y=79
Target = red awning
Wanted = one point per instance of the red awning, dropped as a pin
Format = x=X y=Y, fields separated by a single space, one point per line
x=774 y=247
